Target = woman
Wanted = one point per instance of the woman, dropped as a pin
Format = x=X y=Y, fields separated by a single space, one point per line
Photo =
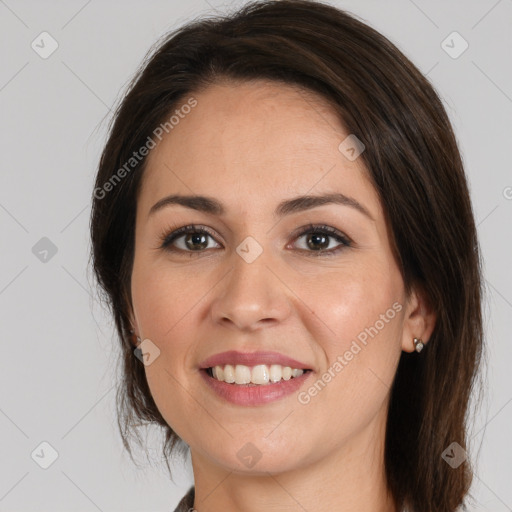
x=282 y=226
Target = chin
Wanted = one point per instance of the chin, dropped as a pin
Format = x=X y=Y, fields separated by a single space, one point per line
x=252 y=458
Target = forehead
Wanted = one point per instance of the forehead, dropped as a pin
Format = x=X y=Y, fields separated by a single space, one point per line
x=260 y=139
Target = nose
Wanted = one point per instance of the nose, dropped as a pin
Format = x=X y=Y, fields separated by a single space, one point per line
x=251 y=296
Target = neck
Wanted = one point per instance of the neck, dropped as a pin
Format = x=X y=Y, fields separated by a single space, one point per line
x=350 y=479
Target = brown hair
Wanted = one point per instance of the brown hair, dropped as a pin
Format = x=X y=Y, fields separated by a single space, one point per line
x=414 y=163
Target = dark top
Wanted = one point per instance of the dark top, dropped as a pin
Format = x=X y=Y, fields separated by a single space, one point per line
x=187 y=502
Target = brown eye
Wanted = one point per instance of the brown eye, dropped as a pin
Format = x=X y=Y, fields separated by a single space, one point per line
x=319 y=238
x=194 y=239
x=187 y=239
x=317 y=241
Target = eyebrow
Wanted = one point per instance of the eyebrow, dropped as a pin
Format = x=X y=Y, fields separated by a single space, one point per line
x=297 y=204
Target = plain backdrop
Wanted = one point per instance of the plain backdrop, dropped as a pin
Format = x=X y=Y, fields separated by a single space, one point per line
x=59 y=368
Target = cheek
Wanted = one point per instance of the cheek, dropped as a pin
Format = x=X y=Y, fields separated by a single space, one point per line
x=361 y=344
x=361 y=349
x=350 y=301
x=162 y=298
x=164 y=304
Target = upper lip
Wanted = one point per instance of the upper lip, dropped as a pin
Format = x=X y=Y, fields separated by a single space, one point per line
x=251 y=359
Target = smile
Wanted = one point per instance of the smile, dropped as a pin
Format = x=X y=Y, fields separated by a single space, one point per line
x=260 y=374
x=250 y=394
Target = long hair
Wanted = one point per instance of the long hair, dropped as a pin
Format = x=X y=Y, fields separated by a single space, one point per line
x=413 y=161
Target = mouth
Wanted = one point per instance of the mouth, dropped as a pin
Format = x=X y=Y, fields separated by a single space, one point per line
x=253 y=376
x=257 y=385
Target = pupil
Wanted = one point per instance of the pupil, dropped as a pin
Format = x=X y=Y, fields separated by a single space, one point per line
x=196 y=240
x=316 y=237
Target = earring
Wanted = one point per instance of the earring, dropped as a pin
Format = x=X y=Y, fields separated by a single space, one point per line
x=418 y=344
x=132 y=332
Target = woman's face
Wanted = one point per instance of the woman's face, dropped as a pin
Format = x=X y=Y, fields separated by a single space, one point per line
x=261 y=280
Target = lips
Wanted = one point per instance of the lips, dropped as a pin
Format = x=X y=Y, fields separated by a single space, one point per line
x=248 y=395
x=235 y=357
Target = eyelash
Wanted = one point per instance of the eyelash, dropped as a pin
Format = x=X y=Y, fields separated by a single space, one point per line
x=166 y=238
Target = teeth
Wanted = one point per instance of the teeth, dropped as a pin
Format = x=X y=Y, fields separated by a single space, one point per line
x=229 y=373
x=276 y=372
x=242 y=374
x=260 y=374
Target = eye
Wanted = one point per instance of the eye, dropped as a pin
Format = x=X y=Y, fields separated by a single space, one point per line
x=317 y=240
x=194 y=239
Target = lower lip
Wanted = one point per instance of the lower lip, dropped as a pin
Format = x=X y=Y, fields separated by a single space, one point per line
x=242 y=394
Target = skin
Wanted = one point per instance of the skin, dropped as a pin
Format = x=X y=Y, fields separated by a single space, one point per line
x=251 y=146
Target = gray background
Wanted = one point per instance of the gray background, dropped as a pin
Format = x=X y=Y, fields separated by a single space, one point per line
x=58 y=369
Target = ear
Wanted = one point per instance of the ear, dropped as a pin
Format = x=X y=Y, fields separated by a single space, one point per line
x=419 y=319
